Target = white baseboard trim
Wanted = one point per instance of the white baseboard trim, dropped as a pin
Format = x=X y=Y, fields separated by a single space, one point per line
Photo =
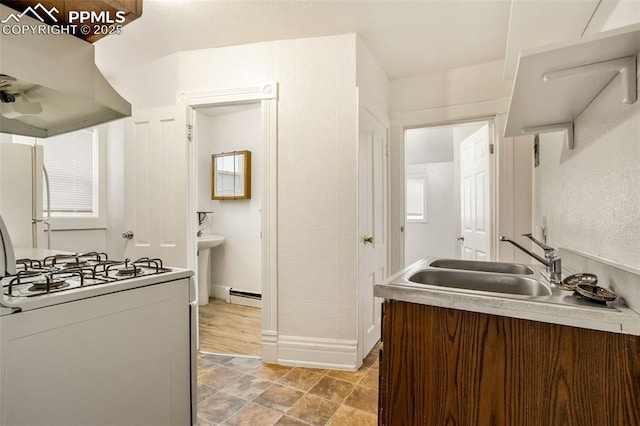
x=269 y=346
x=221 y=292
x=318 y=353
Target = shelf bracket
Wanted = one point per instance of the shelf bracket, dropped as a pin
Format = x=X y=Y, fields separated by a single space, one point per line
x=201 y=217
x=553 y=128
x=626 y=67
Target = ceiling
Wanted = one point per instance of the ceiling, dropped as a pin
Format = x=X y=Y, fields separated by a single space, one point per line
x=407 y=37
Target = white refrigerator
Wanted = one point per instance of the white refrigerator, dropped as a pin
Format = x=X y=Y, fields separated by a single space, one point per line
x=22 y=179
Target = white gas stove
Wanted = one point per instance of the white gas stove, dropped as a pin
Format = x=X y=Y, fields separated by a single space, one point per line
x=61 y=278
x=116 y=337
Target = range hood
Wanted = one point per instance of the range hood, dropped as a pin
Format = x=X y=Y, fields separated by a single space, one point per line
x=49 y=83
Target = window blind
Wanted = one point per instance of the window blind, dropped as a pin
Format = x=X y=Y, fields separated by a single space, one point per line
x=70 y=161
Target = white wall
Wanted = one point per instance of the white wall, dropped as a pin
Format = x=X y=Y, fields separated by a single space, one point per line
x=436 y=237
x=590 y=195
x=614 y=14
x=428 y=145
x=81 y=241
x=151 y=85
x=237 y=262
x=317 y=134
x=474 y=83
x=372 y=82
x=469 y=93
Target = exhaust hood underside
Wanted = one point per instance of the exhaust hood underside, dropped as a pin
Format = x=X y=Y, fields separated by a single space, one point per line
x=62 y=112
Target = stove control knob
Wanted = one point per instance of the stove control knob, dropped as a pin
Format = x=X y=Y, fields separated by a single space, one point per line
x=127 y=235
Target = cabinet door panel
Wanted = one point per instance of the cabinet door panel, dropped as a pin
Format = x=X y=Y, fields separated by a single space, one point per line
x=444 y=366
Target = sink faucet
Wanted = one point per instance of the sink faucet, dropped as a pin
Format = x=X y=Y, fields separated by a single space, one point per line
x=551 y=259
x=199 y=233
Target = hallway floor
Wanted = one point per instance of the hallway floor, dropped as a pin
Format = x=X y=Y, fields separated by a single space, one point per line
x=244 y=391
x=230 y=328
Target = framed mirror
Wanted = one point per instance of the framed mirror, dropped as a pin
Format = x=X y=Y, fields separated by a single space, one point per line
x=231 y=175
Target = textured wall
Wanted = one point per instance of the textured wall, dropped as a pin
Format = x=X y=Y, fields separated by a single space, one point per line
x=372 y=82
x=317 y=128
x=456 y=86
x=590 y=195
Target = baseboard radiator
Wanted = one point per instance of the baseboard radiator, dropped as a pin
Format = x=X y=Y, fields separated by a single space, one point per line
x=249 y=294
x=247 y=298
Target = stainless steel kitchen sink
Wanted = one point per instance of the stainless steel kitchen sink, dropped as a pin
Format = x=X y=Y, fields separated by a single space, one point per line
x=482 y=266
x=495 y=283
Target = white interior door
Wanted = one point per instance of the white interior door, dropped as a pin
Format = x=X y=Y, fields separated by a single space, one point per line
x=156 y=185
x=372 y=225
x=475 y=203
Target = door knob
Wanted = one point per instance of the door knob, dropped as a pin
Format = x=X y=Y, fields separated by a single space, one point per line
x=367 y=239
x=127 y=235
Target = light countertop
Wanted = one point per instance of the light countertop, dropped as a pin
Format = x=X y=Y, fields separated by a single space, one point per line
x=561 y=307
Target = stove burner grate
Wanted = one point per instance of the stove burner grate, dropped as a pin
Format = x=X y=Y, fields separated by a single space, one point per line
x=28 y=264
x=48 y=282
x=128 y=271
x=62 y=273
x=76 y=264
x=48 y=285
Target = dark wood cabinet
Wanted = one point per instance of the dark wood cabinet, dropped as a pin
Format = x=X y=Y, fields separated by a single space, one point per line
x=449 y=367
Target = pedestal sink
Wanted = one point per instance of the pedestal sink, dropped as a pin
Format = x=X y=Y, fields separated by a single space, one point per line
x=205 y=244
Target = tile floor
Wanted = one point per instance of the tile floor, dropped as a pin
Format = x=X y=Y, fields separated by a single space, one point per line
x=243 y=391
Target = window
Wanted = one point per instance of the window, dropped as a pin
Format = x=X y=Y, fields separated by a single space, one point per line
x=417 y=198
x=74 y=163
x=71 y=162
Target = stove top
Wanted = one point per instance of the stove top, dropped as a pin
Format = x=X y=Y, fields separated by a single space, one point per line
x=63 y=273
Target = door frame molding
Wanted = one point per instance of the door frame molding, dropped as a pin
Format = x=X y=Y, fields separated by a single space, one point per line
x=482 y=112
x=267 y=94
x=400 y=121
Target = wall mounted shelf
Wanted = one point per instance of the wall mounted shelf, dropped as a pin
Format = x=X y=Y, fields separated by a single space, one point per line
x=554 y=84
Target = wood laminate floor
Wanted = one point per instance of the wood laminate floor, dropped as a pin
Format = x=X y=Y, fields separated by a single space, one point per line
x=228 y=328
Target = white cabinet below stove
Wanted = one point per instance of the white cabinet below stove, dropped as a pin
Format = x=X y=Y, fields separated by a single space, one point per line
x=118 y=359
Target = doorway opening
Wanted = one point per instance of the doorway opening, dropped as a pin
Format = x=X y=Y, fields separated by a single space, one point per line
x=449 y=192
x=266 y=96
x=229 y=278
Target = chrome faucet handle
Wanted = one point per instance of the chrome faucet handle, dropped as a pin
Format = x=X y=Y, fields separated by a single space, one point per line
x=551 y=260
x=529 y=252
x=547 y=249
